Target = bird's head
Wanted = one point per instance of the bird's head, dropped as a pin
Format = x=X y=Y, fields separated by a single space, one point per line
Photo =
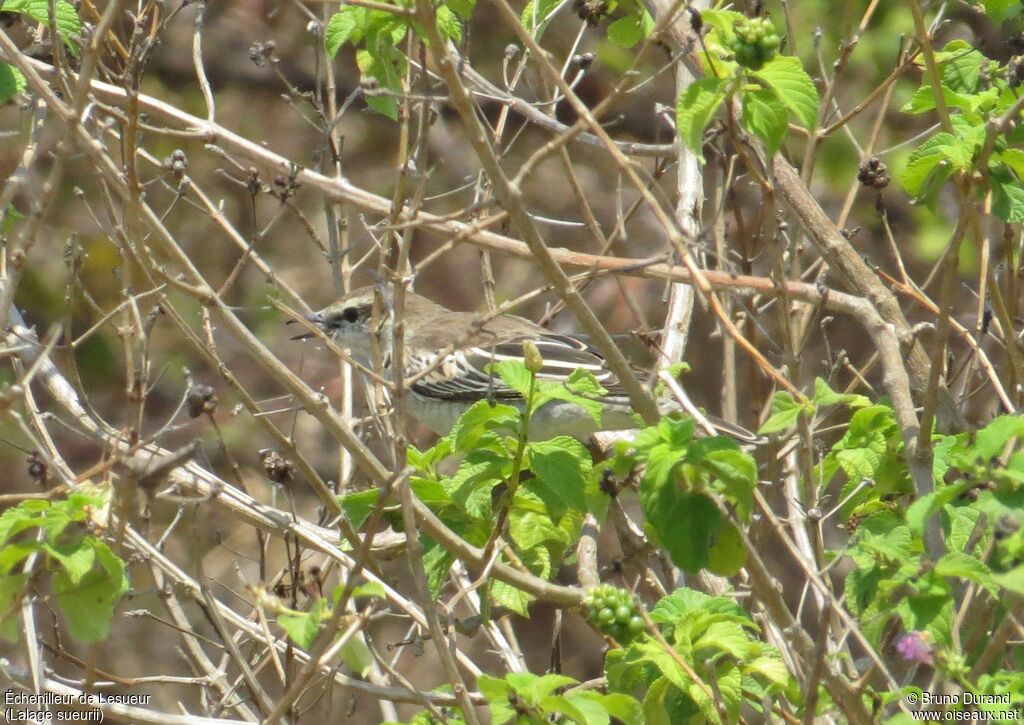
x=349 y=321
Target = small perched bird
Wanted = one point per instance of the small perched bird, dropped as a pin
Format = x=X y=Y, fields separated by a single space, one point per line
x=457 y=347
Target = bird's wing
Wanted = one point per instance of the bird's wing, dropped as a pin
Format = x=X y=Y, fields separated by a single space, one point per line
x=463 y=374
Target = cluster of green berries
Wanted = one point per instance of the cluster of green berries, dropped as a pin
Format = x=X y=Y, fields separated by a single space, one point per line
x=614 y=612
x=755 y=42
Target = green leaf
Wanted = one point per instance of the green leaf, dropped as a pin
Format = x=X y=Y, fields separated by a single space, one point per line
x=369 y=589
x=785 y=413
x=537 y=14
x=687 y=527
x=629 y=30
x=20 y=518
x=990 y=440
x=514 y=374
x=449 y=25
x=302 y=627
x=695 y=109
x=1000 y=10
x=787 y=77
x=87 y=606
x=480 y=419
x=734 y=471
x=923 y=508
x=12 y=82
x=358 y=506
x=13 y=554
x=729 y=637
x=357 y=656
x=345 y=26
x=437 y=563
x=497 y=694
x=77 y=559
x=1012 y=580
x=727 y=554
x=924 y=100
x=765 y=116
x=1008 y=199
x=560 y=474
x=1013 y=159
x=964 y=566
x=931 y=164
x=530 y=529
x=462 y=8
x=583 y=383
x=960 y=64
x=12 y=589
x=506 y=595
x=622 y=707
x=824 y=395
x=770 y=667
x=66 y=19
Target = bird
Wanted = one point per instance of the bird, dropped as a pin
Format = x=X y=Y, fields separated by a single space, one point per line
x=457 y=348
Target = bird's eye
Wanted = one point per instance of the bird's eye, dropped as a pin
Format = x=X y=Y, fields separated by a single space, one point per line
x=350 y=314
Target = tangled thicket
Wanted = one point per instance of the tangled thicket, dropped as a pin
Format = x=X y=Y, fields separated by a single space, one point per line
x=817 y=204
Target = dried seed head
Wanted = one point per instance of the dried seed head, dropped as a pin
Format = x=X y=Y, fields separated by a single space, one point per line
x=278 y=468
x=201 y=399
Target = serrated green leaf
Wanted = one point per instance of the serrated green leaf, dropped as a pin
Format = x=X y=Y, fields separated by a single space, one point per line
x=514 y=374
x=506 y=595
x=449 y=25
x=770 y=667
x=787 y=77
x=345 y=26
x=931 y=163
x=560 y=476
x=785 y=413
x=859 y=463
x=765 y=116
x=437 y=562
x=481 y=419
x=960 y=65
x=733 y=470
x=695 y=109
x=77 y=559
x=20 y=518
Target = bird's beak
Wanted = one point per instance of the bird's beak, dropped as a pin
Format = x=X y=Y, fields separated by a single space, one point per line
x=314 y=317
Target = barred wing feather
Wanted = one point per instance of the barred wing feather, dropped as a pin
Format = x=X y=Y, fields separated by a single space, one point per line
x=463 y=374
